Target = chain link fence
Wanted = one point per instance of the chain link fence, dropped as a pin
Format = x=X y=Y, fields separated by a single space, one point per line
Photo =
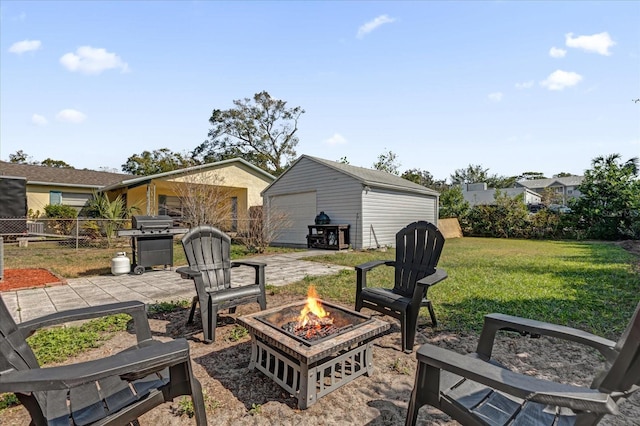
x=83 y=232
x=68 y=233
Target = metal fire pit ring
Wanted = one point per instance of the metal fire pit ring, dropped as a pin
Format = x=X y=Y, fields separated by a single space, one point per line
x=309 y=372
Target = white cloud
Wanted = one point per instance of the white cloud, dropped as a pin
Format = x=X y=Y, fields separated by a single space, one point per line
x=336 y=139
x=525 y=85
x=495 y=96
x=559 y=79
x=90 y=60
x=372 y=25
x=25 y=46
x=39 y=120
x=597 y=43
x=71 y=116
x=556 y=52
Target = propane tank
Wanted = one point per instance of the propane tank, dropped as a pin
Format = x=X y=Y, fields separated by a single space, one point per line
x=120 y=264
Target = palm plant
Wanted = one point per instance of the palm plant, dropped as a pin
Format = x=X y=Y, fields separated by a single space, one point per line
x=113 y=211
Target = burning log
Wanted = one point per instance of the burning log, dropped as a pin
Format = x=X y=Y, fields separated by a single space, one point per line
x=314 y=328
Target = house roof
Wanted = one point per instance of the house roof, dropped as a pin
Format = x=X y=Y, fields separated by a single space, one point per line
x=138 y=180
x=53 y=176
x=543 y=183
x=369 y=177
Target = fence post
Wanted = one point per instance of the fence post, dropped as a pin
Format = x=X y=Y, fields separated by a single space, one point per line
x=1 y=258
x=77 y=231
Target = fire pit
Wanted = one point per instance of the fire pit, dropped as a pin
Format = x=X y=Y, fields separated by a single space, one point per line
x=313 y=359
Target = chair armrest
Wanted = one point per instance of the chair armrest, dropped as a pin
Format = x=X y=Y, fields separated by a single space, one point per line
x=259 y=269
x=188 y=273
x=495 y=322
x=519 y=385
x=374 y=263
x=436 y=277
x=130 y=364
x=251 y=263
x=136 y=309
x=362 y=269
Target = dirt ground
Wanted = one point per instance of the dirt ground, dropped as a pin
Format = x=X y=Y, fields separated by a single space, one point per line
x=236 y=395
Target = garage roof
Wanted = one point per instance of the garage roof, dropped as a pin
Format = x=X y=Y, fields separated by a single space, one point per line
x=369 y=177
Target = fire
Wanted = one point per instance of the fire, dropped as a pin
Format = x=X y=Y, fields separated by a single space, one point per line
x=313 y=306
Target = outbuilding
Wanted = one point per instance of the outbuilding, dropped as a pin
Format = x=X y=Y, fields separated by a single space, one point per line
x=374 y=204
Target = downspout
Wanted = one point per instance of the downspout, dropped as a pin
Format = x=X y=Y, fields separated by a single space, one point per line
x=149 y=199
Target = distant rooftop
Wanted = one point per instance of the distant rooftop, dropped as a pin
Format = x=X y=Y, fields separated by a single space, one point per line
x=37 y=174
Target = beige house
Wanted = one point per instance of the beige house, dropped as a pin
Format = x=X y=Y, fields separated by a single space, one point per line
x=52 y=185
x=239 y=183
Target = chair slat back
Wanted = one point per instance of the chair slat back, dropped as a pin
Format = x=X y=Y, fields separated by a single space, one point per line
x=15 y=353
x=418 y=249
x=625 y=370
x=208 y=250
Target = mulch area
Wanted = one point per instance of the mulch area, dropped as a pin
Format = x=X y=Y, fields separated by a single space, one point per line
x=18 y=279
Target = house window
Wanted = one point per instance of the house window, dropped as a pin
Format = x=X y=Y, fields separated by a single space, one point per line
x=77 y=200
x=55 y=198
x=170 y=206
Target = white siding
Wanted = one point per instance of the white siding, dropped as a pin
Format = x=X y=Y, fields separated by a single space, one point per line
x=337 y=194
x=344 y=199
x=298 y=209
x=386 y=212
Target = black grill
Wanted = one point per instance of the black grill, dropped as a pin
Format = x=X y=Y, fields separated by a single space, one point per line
x=151 y=241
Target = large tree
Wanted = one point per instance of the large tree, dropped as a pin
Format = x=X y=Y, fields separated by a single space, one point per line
x=424 y=178
x=21 y=157
x=261 y=130
x=58 y=164
x=157 y=161
x=610 y=202
x=475 y=173
x=387 y=162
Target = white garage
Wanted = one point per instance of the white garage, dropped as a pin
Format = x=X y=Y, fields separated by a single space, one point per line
x=375 y=204
x=298 y=208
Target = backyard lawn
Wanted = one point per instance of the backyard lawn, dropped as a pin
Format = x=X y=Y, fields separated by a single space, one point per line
x=589 y=285
x=69 y=262
x=592 y=286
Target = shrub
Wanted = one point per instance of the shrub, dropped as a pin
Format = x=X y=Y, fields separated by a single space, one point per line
x=63 y=215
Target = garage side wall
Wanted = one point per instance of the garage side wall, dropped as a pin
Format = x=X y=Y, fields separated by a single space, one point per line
x=385 y=212
x=337 y=194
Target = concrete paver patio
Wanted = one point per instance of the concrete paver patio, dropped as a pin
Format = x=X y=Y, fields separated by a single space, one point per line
x=152 y=286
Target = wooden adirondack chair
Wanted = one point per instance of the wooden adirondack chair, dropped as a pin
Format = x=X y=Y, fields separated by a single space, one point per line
x=418 y=249
x=114 y=390
x=208 y=252
x=474 y=390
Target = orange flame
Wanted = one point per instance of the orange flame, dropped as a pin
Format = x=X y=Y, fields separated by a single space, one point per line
x=313 y=305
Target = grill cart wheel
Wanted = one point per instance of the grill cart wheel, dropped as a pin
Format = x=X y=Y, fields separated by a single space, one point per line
x=138 y=270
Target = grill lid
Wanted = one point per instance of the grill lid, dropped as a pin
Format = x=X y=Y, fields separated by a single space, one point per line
x=151 y=222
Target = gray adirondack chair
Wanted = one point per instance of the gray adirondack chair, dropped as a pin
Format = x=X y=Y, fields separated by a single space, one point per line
x=475 y=390
x=418 y=249
x=114 y=390
x=208 y=252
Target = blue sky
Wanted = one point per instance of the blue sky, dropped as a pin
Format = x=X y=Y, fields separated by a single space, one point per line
x=512 y=86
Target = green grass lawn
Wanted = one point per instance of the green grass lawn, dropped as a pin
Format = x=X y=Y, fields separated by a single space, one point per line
x=68 y=262
x=592 y=286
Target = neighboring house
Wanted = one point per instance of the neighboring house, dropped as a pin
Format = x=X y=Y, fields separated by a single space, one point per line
x=478 y=194
x=241 y=181
x=52 y=185
x=564 y=187
x=375 y=204
x=159 y=194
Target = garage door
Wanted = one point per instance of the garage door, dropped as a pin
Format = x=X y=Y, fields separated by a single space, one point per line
x=301 y=211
